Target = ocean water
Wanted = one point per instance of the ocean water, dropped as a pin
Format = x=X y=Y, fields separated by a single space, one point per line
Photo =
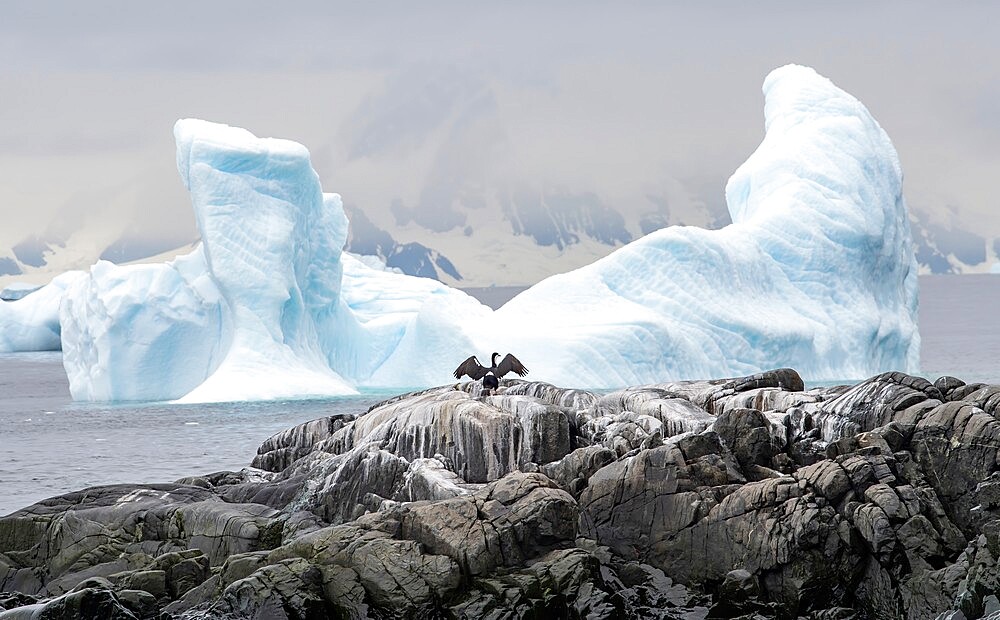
x=960 y=327
x=51 y=445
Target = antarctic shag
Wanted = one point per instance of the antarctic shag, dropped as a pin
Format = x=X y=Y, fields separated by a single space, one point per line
x=490 y=376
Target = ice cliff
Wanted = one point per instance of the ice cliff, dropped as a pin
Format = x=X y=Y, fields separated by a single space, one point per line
x=817 y=272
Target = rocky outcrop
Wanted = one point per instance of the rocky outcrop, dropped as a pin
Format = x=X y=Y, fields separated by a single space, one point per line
x=749 y=497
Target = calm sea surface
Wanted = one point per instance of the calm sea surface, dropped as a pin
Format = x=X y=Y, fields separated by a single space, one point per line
x=51 y=445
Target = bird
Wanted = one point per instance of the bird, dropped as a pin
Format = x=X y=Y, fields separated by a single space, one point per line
x=490 y=376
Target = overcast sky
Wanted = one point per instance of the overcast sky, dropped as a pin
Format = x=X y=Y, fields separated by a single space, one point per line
x=646 y=97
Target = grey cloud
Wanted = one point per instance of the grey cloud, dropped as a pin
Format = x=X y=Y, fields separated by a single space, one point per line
x=433 y=106
x=414 y=104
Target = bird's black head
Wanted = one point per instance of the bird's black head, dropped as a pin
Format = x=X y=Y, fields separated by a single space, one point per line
x=493 y=359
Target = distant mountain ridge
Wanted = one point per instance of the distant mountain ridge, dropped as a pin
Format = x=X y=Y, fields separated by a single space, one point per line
x=951 y=248
x=537 y=236
x=415 y=259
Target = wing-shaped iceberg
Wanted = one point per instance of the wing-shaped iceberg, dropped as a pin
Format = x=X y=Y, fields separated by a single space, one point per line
x=816 y=272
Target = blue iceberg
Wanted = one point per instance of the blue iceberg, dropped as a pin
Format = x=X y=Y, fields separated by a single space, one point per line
x=31 y=323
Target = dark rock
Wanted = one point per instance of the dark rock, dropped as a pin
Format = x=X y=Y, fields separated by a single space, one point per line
x=365 y=564
x=745 y=497
x=784 y=378
x=198 y=597
x=749 y=435
x=152 y=581
x=183 y=571
x=702 y=444
x=946 y=385
x=895 y=434
x=290 y=589
x=777 y=390
x=96 y=603
x=807 y=451
x=283 y=449
x=739 y=586
x=962 y=392
x=10 y=600
x=739 y=596
x=573 y=471
x=577 y=583
x=956 y=445
x=143 y=605
x=986 y=398
x=508 y=522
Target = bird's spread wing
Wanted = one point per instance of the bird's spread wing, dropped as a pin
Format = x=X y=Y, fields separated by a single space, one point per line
x=470 y=367
x=511 y=364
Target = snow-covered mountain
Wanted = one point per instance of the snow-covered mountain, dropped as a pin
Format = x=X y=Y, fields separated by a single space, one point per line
x=415 y=259
x=121 y=230
x=952 y=247
x=504 y=250
x=39 y=259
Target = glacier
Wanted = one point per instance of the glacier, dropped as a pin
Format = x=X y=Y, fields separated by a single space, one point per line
x=816 y=272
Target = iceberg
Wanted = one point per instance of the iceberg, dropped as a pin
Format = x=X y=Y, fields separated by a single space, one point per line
x=238 y=318
x=272 y=242
x=31 y=323
x=17 y=290
x=816 y=272
x=143 y=332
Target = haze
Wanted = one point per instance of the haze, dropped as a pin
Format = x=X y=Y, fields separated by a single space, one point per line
x=415 y=113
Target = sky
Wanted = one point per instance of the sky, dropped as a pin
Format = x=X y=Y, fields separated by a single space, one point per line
x=637 y=101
